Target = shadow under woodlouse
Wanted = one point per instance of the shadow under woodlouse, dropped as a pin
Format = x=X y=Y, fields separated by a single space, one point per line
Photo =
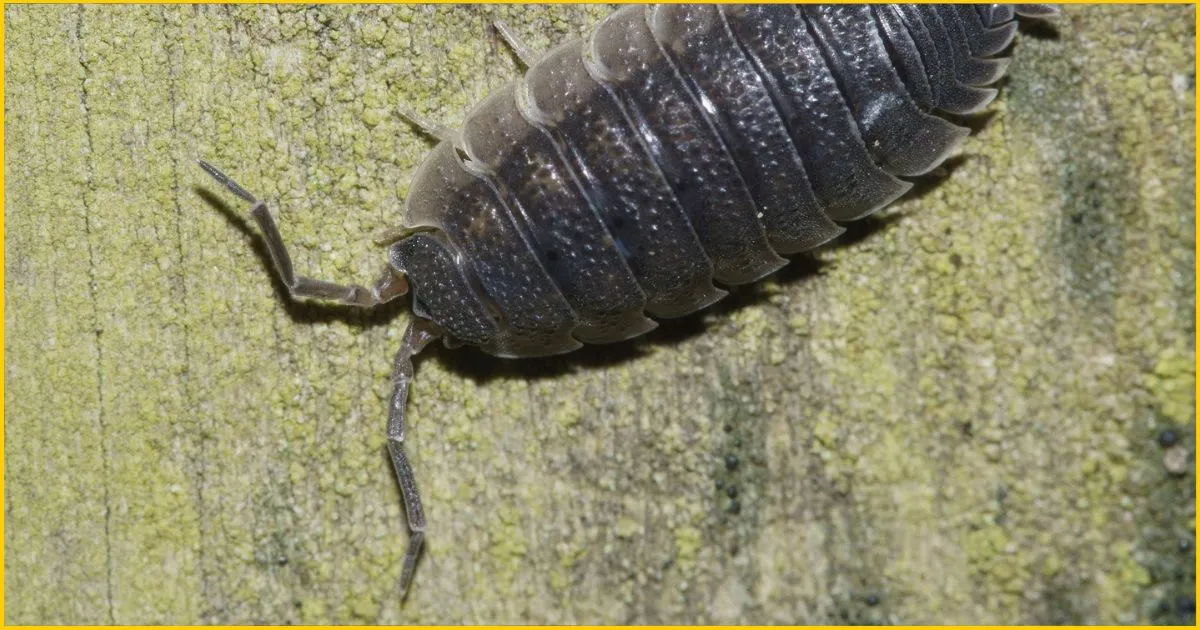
x=1037 y=29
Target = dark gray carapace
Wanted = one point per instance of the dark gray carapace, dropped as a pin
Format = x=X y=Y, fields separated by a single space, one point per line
x=671 y=149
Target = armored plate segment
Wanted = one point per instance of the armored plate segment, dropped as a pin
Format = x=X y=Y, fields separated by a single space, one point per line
x=953 y=95
x=731 y=91
x=624 y=185
x=901 y=138
x=535 y=318
x=550 y=208
x=685 y=145
x=845 y=178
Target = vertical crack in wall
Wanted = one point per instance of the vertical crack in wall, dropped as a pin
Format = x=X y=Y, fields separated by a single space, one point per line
x=189 y=396
x=97 y=330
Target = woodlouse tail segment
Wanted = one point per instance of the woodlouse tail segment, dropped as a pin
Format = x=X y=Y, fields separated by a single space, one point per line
x=902 y=139
x=390 y=285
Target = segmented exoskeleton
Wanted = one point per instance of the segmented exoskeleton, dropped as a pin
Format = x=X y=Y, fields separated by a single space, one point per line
x=671 y=149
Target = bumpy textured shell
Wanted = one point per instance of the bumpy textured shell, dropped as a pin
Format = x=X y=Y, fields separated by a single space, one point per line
x=677 y=146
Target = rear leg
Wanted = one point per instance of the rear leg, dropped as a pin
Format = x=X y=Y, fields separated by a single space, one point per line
x=388 y=287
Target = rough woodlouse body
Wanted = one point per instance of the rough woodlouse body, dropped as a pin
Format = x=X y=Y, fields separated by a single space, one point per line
x=672 y=147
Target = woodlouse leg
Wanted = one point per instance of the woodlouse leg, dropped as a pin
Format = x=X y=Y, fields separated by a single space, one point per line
x=523 y=52
x=428 y=127
x=388 y=287
x=418 y=335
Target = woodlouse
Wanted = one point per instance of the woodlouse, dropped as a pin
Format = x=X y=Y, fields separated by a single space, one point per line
x=669 y=148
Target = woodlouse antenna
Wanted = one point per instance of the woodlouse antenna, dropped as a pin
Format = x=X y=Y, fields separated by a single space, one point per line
x=391 y=283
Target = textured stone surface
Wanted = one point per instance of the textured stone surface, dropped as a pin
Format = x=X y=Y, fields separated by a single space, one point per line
x=954 y=416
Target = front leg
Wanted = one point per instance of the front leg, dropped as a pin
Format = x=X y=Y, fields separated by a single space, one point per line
x=390 y=285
